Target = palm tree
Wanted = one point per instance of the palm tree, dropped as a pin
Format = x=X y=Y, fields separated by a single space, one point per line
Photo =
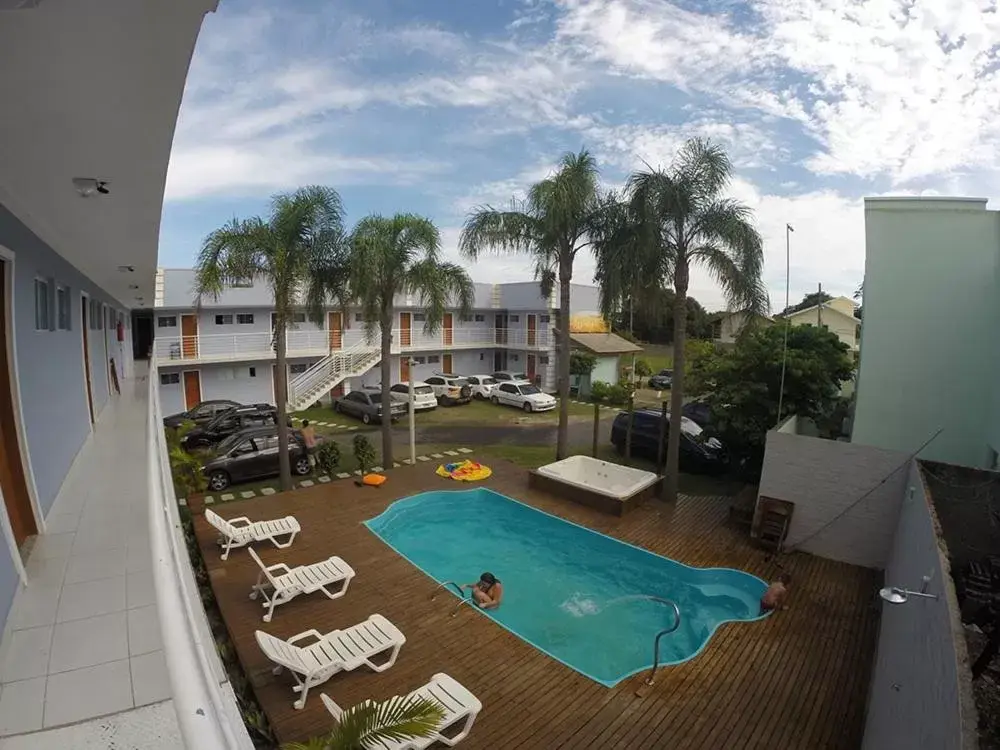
x=401 y=255
x=299 y=253
x=676 y=218
x=371 y=724
x=553 y=224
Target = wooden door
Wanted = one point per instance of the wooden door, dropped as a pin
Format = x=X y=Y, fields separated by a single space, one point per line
x=498 y=363
x=446 y=363
x=335 y=324
x=531 y=368
x=404 y=369
x=189 y=336
x=449 y=329
x=532 y=322
x=85 y=327
x=337 y=391
x=192 y=389
x=13 y=483
x=405 y=319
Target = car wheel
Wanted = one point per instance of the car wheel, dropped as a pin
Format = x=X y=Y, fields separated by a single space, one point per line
x=218 y=481
x=495 y=401
x=527 y=406
x=302 y=465
x=366 y=418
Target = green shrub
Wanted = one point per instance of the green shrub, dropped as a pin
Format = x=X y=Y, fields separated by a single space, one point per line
x=328 y=456
x=617 y=394
x=599 y=390
x=581 y=363
x=185 y=467
x=643 y=368
x=364 y=453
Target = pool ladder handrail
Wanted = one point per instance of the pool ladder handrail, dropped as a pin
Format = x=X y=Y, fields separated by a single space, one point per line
x=461 y=595
x=671 y=629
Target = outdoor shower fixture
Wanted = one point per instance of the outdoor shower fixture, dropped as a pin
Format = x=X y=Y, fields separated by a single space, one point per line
x=895 y=595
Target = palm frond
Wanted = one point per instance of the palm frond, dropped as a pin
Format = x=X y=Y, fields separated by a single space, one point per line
x=733 y=251
x=398 y=718
x=236 y=252
x=488 y=229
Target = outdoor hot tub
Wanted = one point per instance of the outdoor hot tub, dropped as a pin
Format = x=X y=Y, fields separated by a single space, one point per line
x=602 y=485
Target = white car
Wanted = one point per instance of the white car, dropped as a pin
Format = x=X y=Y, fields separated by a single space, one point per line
x=482 y=386
x=505 y=375
x=450 y=389
x=423 y=395
x=524 y=395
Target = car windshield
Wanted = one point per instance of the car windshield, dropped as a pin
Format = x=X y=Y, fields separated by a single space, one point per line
x=690 y=427
x=228 y=443
x=528 y=390
x=459 y=382
x=488 y=381
x=422 y=390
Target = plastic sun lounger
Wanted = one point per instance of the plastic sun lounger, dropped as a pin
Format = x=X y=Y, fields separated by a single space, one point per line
x=248 y=531
x=279 y=584
x=460 y=710
x=337 y=651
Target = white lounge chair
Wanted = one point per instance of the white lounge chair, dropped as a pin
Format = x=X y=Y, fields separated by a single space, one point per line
x=460 y=709
x=248 y=531
x=337 y=651
x=279 y=584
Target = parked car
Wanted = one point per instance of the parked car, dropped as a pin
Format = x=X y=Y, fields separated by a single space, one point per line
x=450 y=389
x=662 y=380
x=698 y=412
x=253 y=454
x=699 y=452
x=523 y=395
x=230 y=422
x=482 y=386
x=504 y=375
x=202 y=413
x=423 y=395
x=367 y=406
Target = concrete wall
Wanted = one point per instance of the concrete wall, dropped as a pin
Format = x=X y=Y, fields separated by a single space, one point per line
x=931 y=312
x=823 y=478
x=606 y=370
x=917 y=696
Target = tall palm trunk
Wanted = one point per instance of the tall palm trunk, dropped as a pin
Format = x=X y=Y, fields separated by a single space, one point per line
x=562 y=439
x=681 y=277
x=281 y=389
x=385 y=368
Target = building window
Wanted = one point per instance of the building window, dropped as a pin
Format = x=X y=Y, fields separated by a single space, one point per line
x=244 y=319
x=543 y=360
x=170 y=378
x=466 y=318
x=514 y=319
x=167 y=321
x=298 y=368
x=544 y=318
x=41 y=305
x=513 y=357
x=481 y=356
x=298 y=317
x=241 y=283
x=433 y=359
x=359 y=317
x=419 y=317
x=253 y=372
x=63 y=316
x=224 y=320
x=420 y=360
x=480 y=318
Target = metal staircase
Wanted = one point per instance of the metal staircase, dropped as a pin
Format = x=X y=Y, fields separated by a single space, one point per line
x=338 y=365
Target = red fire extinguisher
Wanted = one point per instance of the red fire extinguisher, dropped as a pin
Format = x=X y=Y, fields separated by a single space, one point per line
x=121 y=331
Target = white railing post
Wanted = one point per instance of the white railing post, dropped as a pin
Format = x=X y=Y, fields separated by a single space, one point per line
x=205 y=712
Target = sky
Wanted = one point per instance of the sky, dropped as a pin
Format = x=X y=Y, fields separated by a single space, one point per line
x=437 y=106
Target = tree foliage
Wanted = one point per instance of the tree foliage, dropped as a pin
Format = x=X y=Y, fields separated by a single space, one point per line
x=651 y=317
x=810 y=300
x=364 y=453
x=377 y=724
x=582 y=363
x=185 y=467
x=742 y=385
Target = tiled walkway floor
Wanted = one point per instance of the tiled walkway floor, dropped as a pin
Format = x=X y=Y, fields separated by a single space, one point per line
x=83 y=637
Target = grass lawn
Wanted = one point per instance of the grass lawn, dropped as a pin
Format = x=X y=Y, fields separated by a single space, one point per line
x=659 y=356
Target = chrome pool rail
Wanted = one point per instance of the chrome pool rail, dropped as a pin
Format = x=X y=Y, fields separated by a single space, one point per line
x=459 y=590
x=671 y=629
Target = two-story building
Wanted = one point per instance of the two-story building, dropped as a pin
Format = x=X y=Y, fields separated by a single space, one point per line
x=835 y=315
x=223 y=348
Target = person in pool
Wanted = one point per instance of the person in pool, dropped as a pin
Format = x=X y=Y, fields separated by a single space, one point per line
x=487 y=591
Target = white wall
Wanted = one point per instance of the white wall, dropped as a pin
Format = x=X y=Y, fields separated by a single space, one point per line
x=172 y=396
x=234 y=382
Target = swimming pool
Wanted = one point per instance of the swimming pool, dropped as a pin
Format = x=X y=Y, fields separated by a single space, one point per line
x=571 y=592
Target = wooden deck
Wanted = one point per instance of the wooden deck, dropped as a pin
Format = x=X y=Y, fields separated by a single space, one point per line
x=796 y=680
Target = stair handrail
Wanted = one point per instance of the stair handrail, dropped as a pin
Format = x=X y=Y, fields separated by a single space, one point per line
x=308 y=380
x=667 y=631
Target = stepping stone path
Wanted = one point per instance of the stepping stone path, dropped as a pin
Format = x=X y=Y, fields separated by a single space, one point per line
x=407 y=461
x=209 y=499
x=182 y=501
x=306 y=483
x=464 y=450
x=343 y=475
x=353 y=427
x=267 y=491
x=450 y=453
x=395 y=464
x=248 y=493
x=423 y=458
x=436 y=455
x=226 y=497
x=377 y=468
x=324 y=480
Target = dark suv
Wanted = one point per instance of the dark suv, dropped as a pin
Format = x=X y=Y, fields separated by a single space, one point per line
x=699 y=453
x=253 y=454
x=229 y=423
x=202 y=413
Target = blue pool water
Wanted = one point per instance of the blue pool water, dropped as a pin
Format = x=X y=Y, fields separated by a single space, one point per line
x=568 y=590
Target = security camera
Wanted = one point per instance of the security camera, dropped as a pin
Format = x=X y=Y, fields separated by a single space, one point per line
x=86 y=186
x=102 y=187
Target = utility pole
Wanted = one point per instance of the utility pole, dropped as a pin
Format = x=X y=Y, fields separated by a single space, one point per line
x=784 y=349
x=819 y=307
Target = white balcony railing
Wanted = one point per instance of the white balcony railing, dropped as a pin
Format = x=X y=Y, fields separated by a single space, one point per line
x=207 y=713
x=215 y=347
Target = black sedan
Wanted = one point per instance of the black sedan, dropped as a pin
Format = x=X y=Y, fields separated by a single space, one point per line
x=203 y=413
x=367 y=406
x=230 y=422
x=253 y=454
x=662 y=380
x=699 y=453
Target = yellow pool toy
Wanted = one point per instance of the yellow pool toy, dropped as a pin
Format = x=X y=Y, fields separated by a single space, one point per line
x=465 y=471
